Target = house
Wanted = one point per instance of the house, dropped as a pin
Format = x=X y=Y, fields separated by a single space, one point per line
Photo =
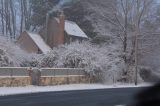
x=32 y=43
x=58 y=31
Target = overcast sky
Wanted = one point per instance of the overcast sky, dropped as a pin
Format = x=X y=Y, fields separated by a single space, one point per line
x=158 y=1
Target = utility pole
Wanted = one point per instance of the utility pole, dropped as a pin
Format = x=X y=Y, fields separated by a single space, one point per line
x=136 y=59
x=137 y=25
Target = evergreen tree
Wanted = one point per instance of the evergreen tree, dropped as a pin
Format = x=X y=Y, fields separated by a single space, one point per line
x=77 y=14
x=40 y=9
x=74 y=12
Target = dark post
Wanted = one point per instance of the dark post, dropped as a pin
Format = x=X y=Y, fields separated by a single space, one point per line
x=30 y=74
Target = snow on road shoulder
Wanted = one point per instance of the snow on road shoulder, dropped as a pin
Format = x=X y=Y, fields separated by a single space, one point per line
x=36 y=89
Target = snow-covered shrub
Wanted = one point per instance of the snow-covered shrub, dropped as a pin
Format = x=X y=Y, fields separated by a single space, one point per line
x=4 y=60
x=145 y=73
x=97 y=60
x=49 y=60
x=32 y=61
x=130 y=76
x=148 y=74
x=10 y=53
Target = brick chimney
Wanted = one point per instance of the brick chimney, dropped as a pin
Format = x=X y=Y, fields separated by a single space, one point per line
x=61 y=28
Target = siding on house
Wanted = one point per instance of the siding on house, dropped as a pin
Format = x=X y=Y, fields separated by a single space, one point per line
x=69 y=38
x=27 y=44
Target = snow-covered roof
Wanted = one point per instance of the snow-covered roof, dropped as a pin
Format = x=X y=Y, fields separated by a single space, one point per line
x=73 y=29
x=39 y=42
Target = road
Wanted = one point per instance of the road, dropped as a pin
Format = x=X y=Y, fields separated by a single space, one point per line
x=105 y=97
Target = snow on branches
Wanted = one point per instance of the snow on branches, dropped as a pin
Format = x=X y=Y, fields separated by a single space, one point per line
x=105 y=60
x=10 y=53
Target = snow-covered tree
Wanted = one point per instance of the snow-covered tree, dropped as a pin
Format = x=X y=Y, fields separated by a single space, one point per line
x=11 y=54
x=96 y=60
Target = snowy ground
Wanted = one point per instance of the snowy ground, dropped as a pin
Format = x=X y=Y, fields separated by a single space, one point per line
x=34 y=89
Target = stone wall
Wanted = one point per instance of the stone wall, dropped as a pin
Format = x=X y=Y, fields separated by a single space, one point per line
x=44 y=81
x=42 y=77
x=14 y=81
x=60 y=80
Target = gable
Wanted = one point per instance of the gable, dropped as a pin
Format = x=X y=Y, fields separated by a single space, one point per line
x=38 y=40
x=26 y=43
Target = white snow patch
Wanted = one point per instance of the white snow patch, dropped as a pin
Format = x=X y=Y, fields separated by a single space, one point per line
x=37 y=89
x=73 y=29
x=39 y=42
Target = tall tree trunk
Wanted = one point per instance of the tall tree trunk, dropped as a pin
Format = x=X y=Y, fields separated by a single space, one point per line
x=22 y=16
x=2 y=16
x=13 y=19
x=6 y=17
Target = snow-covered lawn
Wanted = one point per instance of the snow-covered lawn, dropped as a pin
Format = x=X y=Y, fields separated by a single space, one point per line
x=36 y=89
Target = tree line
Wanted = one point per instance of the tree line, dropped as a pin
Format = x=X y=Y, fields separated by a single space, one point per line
x=133 y=22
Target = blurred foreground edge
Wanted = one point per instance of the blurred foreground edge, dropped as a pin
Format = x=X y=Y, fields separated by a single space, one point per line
x=149 y=97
